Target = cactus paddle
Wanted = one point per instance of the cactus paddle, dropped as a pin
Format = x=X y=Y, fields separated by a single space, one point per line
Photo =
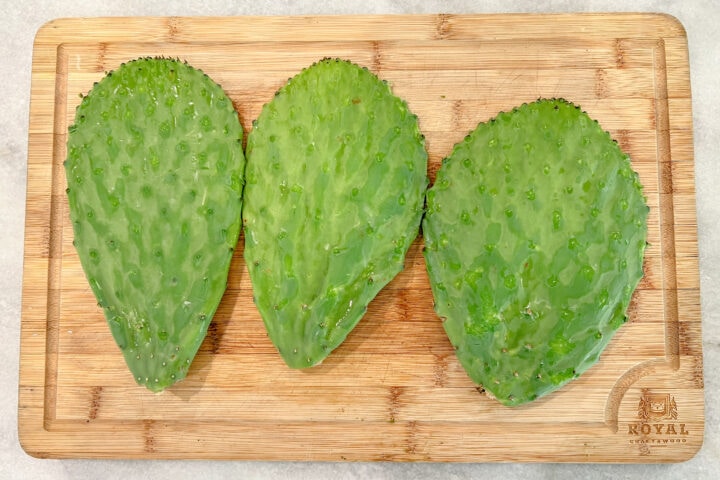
x=154 y=171
x=534 y=239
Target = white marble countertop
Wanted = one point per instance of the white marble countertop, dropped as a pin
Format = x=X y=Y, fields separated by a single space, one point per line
x=20 y=21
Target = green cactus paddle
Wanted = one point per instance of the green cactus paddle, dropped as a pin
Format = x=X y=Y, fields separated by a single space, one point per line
x=154 y=171
x=336 y=178
x=535 y=232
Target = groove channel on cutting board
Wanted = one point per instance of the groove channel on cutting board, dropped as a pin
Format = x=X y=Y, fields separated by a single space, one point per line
x=667 y=240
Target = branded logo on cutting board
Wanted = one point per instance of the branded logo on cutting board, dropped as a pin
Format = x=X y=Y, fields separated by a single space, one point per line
x=657 y=423
x=657 y=407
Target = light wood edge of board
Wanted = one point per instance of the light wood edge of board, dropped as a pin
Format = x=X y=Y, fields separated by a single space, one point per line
x=438 y=26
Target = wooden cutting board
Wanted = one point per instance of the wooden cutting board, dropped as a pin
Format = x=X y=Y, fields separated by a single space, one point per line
x=394 y=390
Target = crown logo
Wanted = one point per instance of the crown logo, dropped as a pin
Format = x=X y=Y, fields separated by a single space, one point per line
x=654 y=407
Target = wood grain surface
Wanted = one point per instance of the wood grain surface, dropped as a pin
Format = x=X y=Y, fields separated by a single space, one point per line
x=394 y=390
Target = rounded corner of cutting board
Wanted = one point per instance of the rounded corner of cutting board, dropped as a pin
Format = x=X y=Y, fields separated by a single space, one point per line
x=29 y=442
x=50 y=29
x=672 y=22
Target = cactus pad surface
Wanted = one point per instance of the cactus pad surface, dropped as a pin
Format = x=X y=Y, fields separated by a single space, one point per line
x=336 y=178
x=155 y=172
x=534 y=239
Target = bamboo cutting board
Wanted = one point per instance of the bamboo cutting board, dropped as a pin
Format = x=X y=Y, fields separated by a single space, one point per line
x=394 y=390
